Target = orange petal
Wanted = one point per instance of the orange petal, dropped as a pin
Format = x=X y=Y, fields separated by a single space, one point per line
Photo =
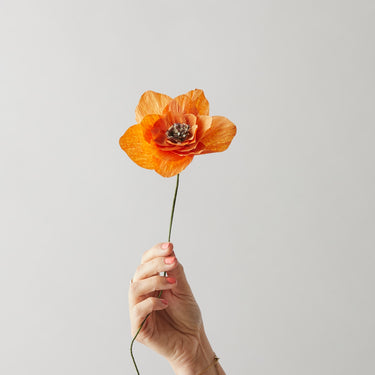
x=193 y=149
x=180 y=118
x=166 y=155
x=181 y=104
x=218 y=137
x=140 y=151
x=151 y=103
x=174 y=117
x=190 y=119
x=169 y=168
x=165 y=122
x=160 y=127
x=200 y=101
x=204 y=123
x=147 y=124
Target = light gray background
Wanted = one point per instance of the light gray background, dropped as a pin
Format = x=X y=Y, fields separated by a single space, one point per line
x=276 y=234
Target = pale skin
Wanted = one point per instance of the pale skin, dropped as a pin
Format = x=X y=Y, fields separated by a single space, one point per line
x=174 y=328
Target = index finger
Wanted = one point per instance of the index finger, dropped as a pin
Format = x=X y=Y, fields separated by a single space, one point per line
x=159 y=250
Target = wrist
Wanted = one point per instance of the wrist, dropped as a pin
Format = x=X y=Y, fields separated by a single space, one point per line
x=196 y=358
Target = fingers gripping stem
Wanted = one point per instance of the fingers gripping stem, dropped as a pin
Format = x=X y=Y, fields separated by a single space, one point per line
x=165 y=273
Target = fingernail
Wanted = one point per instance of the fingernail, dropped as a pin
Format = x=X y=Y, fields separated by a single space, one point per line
x=164 y=301
x=169 y=260
x=165 y=245
x=171 y=280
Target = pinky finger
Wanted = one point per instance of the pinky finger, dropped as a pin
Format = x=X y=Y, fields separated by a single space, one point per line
x=147 y=306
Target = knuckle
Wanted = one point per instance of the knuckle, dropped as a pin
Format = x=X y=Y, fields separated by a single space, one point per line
x=139 y=269
x=134 y=287
x=151 y=303
x=146 y=255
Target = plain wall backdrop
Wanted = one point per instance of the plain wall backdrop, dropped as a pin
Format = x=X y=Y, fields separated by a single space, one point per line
x=277 y=234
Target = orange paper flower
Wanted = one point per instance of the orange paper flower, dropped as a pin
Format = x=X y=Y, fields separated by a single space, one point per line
x=170 y=132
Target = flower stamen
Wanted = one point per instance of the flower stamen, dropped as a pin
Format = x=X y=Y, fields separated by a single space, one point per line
x=178 y=132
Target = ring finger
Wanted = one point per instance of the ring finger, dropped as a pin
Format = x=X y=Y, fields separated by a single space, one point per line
x=144 y=287
x=154 y=267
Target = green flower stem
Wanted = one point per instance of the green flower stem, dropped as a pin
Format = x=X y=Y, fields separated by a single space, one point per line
x=173 y=206
x=165 y=273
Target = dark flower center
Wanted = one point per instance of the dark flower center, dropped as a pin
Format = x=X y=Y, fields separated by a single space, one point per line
x=178 y=133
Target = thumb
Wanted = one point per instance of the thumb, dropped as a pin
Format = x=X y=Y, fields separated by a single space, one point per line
x=179 y=274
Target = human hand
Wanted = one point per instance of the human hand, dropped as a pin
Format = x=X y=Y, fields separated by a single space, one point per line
x=174 y=327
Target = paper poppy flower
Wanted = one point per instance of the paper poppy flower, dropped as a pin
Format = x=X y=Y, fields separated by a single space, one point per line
x=170 y=132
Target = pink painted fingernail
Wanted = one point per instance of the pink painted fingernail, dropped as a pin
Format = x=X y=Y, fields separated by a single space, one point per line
x=165 y=245
x=171 y=280
x=169 y=260
x=164 y=301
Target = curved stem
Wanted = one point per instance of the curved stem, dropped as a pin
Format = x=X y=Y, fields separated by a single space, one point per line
x=165 y=273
